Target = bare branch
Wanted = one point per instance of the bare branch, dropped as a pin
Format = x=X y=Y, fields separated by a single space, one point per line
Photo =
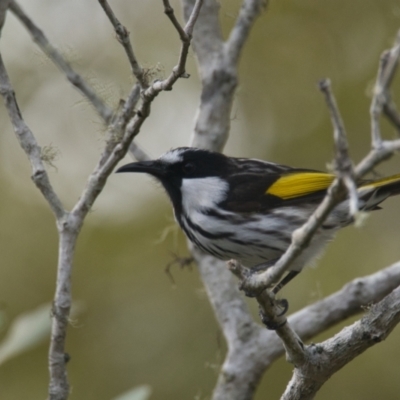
x=194 y=15
x=346 y=302
x=179 y=70
x=326 y=358
x=169 y=12
x=272 y=315
x=123 y=37
x=58 y=358
x=256 y=349
x=58 y=386
x=117 y=147
x=249 y=12
x=381 y=149
x=377 y=155
x=230 y=309
x=123 y=115
x=218 y=68
x=128 y=109
x=342 y=162
x=237 y=378
x=218 y=75
x=274 y=318
x=29 y=144
x=343 y=165
x=207 y=35
x=39 y=38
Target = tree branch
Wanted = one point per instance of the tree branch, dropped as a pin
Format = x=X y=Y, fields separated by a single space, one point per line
x=326 y=358
x=116 y=149
x=186 y=37
x=346 y=302
x=29 y=144
x=256 y=350
x=123 y=37
x=249 y=12
x=170 y=13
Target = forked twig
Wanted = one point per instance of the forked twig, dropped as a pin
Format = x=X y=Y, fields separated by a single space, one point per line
x=123 y=37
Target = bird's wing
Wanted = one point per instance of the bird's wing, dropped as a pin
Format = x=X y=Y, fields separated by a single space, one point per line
x=262 y=192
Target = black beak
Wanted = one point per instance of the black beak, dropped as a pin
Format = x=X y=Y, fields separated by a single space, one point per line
x=153 y=167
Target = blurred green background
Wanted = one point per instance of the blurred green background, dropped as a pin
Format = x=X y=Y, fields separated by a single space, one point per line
x=134 y=326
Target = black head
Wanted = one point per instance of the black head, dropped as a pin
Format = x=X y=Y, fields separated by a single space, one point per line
x=182 y=163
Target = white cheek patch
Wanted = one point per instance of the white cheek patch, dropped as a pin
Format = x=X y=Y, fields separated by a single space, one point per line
x=198 y=193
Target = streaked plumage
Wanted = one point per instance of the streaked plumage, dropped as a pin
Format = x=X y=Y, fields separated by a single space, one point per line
x=247 y=209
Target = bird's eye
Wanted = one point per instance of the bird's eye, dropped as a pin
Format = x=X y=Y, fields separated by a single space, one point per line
x=188 y=168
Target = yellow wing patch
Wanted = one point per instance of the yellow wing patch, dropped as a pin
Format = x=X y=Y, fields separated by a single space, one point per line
x=299 y=184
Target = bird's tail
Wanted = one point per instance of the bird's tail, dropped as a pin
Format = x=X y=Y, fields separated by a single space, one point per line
x=374 y=192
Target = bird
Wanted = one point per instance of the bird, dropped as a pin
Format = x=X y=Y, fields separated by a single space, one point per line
x=247 y=209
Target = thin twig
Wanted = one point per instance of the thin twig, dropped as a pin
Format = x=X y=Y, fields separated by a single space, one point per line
x=186 y=36
x=41 y=40
x=123 y=37
x=343 y=165
x=169 y=12
x=272 y=316
x=193 y=18
x=342 y=159
x=123 y=115
x=116 y=150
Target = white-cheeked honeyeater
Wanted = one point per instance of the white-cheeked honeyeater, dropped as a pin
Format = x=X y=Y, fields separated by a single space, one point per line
x=247 y=209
